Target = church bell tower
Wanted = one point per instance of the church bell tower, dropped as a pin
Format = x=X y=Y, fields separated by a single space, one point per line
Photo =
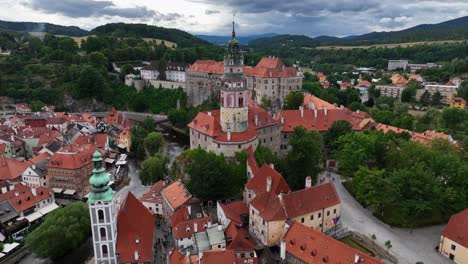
x=103 y=214
x=234 y=96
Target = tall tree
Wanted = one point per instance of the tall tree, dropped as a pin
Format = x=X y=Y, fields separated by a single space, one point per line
x=337 y=129
x=436 y=99
x=153 y=169
x=305 y=157
x=153 y=142
x=63 y=230
x=293 y=100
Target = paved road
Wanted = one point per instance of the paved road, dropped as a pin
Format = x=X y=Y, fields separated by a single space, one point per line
x=409 y=246
x=135 y=186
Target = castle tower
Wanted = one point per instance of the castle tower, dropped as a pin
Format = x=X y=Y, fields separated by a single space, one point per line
x=234 y=97
x=103 y=214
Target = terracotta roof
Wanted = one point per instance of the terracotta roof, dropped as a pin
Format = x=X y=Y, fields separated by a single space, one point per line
x=207 y=66
x=311 y=101
x=175 y=257
x=153 y=195
x=293 y=204
x=180 y=215
x=27 y=199
x=457 y=228
x=99 y=140
x=364 y=83
x=11 y=169
x=187 y=228
x=90 y=119
x=270 y=63
x=176 y=194
x=235 y=210
x=112 y=117
x=217 y=257
x=40 y=157
x=321 y=75
x=344 y=85
x=208 y=123
x=241 y=240
x=56 y=121
x=135 y=222
x=251 y=160
x=72 y=157
x=310 y=199
x=12 y=190
x=258 y=183
x=312 y=246
x=293 y=118
x=423 y=138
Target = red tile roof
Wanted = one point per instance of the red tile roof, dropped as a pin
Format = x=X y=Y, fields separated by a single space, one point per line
x=217 y=257
x=73 y=157
x=40 y=157
x=241 y=240
x=207 y=66
x=99 y=140
x=345 y=85
x=293 y=118
x=235 y=210
x=12 y=190
x=314 y=101
x=176 y=194
x=457 y=228
x=11 y=169
x=310 y=199
x=112 y=117
x=28 y=200
x=186 y=229
x=364 y=83
x=424 y=138
x=134 y=222
x=294 y=204
x=56 y=121
x=153 y=195
x=175 y=257
x=208 y=123
x=258 y=183
x=180 y=215
x=312 y=246
x=251 y=160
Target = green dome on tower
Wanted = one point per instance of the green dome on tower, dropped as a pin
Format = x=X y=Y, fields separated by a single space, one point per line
x=99 y=182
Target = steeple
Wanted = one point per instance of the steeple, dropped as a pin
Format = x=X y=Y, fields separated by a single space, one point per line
x=233 y=30
x=99 y=182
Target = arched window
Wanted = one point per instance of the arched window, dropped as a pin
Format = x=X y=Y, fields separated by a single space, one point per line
x=101 y=216
x=105 y=252
x=102 y=231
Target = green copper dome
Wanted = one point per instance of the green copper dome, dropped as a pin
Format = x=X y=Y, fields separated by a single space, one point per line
x=99 y=182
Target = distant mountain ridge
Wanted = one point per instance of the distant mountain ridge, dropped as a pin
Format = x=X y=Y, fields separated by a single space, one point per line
x=221 y=40
x=43 y=27
x=455 y=29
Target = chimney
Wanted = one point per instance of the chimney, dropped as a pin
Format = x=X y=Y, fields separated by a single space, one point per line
x=357 y=111
x=315 y=113
x=33 y=191
x=209 y=224
x=301 y=108
x=209 y=113
x=256 y=119
x=325 y=110
x=12 y=187
x=268 y=184
x=272 y=165
x=229 y=134
x=220 y=227
x=341 y=106
x=283 y=249
x=136 y=255
x=282 y=119
x=356 y=258
x=195 y=227
x=34 y=166
x=189 y=209
x=308 y=182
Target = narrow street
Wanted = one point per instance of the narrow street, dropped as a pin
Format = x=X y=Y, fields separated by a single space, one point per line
x=408 y=245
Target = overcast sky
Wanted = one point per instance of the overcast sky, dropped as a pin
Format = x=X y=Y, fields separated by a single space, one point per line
x=308 y=17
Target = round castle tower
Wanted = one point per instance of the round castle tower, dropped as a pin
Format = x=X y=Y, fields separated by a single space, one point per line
x=234 y=96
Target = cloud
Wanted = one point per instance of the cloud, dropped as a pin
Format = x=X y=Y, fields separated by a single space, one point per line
x=92 y=8
x=211 y=12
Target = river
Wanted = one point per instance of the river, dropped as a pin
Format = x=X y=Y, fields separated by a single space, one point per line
x=174 y=146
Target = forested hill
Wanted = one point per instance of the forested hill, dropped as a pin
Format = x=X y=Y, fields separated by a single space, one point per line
x=182 y=38
x=455 y=29
x=42 y=27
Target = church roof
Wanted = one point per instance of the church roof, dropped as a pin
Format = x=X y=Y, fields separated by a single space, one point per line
x=135 y=227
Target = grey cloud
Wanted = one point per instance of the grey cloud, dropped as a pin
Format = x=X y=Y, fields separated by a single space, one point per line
x=210 y=12
x=92 y=8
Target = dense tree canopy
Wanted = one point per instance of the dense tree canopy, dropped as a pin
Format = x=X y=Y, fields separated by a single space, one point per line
x=293 y=100
x=153 y=169
x=63 y=229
